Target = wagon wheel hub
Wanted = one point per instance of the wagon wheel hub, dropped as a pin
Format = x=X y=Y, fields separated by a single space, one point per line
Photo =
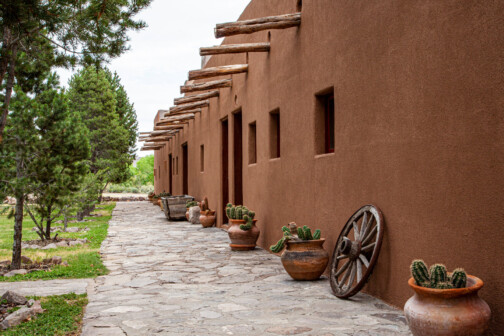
x=350 y=248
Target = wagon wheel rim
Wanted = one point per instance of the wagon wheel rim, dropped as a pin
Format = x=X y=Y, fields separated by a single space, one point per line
x=356 y=251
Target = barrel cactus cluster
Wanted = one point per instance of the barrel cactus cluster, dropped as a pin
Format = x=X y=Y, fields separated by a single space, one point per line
x=294 y=233
x=436 y=277
x=240 y=212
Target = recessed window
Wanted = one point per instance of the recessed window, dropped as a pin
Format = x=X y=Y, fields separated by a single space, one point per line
x=202 y=158
x=155 y=173
x=324 y=122
x=252 y=144
x=275 y=134
x=299 y=5
x=176 y=165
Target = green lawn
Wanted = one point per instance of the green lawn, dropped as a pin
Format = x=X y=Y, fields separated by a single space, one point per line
x=63 y=316
x=84 y=260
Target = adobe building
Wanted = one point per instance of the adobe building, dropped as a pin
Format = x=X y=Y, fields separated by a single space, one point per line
x=399 y=104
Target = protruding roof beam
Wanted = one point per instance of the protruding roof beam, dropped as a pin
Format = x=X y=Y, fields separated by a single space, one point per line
x=189 y=106
x=218 y=84
x=197 y=110
x=196 y=97
x=255 y=25
x=235 y=48
x=167 y=128
x=218 y=71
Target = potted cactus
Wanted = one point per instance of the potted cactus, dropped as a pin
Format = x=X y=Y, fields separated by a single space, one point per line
x=207 y=216
x=304 y=257
x=159 y=198
x=243 y=231
x=189 y=204
x=151 y=195
x=445 y=303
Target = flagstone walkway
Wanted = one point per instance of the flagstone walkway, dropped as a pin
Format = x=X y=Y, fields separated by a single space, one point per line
x=174 y=278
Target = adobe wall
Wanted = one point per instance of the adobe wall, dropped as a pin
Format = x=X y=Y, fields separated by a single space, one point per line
x=419 y=96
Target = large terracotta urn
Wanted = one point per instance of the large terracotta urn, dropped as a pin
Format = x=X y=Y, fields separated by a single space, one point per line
x=207 y=218
x=242 y=240
x=305 y=259
x=447 y=312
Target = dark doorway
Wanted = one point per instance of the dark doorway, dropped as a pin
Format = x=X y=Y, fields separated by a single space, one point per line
x=238 y=158
x=170 y=173
x=185 y=170
x=225 y=172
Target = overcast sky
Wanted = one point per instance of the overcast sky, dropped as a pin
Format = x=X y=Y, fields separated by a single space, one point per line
x=162 y=54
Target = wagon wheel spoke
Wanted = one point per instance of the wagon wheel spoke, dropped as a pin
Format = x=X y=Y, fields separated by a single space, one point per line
x=368 y=247
x=347 y=273
x=342 y=269
x=357 y=250
x=356 y=230
x=370 y=235
x=359 y=270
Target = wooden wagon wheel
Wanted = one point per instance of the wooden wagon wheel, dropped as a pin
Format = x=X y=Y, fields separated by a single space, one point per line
x=356 y=251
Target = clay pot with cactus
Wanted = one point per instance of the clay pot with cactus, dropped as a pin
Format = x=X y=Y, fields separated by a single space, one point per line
x=190 y=204
x=304 y=258
x=207 y=216
x=445 y=303
x=243 y=231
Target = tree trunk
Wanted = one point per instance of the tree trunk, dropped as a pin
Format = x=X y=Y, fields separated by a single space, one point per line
x=8 y=90
x=48 y=224
x=18 y=232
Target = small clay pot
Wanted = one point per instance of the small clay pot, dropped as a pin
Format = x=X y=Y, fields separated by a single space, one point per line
x=187 y=214
x=305 y=259
x=447 y=312
x=242 y=240
x=207 y=218
x=158 y=203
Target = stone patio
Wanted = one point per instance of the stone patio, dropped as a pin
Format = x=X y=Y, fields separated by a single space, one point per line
x=174 y=278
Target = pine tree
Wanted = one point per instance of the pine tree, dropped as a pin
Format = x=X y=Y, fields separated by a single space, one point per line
x=85 y=32
x=43 y=155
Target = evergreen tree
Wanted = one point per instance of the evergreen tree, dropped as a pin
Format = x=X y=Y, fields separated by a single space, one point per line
x=42 y=155
x=85 y=31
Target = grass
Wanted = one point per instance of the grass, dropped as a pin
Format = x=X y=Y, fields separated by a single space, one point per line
x=84 y=261
x=63 y=316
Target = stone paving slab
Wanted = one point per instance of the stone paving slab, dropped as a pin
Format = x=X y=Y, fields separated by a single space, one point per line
x=47 y=287
x=174 y=278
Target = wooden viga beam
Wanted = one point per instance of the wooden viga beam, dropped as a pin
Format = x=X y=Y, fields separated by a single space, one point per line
x=154 y=144
x=218 y=71
x=235 y=48
x=196 y=97
x=156 y=139
x=255 y=25
x=150 y=148
x=189 y=106
x=197 y=110
x=167 y=128
x=182 y=117
x=218 y=84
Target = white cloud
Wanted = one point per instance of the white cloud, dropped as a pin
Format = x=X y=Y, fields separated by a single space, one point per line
x=162 y=54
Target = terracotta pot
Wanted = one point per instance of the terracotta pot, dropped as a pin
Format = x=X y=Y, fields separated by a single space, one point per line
x=207 y=219
x=242 y=240
x=447 y=312
x=158 y=202
x=187 y=214
x=305 y=260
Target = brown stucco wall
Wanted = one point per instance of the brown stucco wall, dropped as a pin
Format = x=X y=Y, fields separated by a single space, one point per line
x=419 y=96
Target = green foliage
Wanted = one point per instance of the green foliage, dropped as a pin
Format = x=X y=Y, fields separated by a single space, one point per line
x=191 y=204
x=93 y=99
x=62 y=316
x=303 y=233
x=61 y=33
x=437 y=277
